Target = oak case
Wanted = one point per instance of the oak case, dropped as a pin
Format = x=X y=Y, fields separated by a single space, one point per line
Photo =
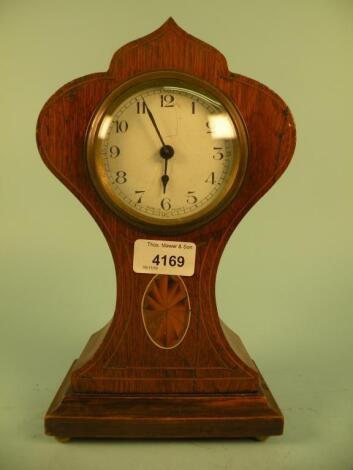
x=122 y=385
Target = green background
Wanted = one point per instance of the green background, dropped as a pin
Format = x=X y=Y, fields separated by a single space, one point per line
x=285 y=279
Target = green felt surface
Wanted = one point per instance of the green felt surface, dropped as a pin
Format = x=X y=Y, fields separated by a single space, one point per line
x=285 y=280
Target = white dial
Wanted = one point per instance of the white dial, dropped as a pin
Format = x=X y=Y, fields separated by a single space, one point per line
x=165 y=153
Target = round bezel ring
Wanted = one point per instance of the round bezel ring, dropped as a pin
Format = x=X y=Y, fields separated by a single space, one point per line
x=102 y=184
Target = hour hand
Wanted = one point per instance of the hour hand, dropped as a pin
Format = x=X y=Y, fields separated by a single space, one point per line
x=166 y=153
x=165 y=179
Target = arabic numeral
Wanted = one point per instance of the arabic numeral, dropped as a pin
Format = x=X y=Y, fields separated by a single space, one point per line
x=218 y=155
x=165 y=204
x=208 y=126
x=121 y=177
x=210 y=178
x=166 y=260
x=156 y=260
x=180 y=261
x=191 y=198
x=141 y=107
x=114 y=151
x=172 y=261
x=139 y=198
x=167 y=101
x=121 y=126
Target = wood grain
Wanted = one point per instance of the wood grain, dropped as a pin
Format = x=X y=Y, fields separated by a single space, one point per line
x=163 y=416
x=166 y=310
x=121 y=359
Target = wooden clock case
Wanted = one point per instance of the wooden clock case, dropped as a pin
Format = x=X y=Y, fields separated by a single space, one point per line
x=123 y=385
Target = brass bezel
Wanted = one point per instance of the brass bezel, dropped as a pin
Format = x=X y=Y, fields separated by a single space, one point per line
x=100 y=181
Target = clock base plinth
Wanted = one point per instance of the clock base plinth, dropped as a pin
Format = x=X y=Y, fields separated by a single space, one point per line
x=78 y=415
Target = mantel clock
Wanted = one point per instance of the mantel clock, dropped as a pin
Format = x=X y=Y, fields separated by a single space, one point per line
x=167 y=150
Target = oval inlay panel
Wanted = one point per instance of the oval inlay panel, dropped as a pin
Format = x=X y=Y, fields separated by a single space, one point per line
x=166 y=310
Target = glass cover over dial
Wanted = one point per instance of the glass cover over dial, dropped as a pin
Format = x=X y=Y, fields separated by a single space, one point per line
x=167 y=152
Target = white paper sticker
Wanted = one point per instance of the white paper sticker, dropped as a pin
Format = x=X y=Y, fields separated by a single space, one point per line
x=164 y=257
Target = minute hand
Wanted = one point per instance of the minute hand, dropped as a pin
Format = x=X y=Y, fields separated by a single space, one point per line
x=150 y=115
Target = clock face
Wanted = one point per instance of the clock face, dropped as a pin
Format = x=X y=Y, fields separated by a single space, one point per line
x=166 y=153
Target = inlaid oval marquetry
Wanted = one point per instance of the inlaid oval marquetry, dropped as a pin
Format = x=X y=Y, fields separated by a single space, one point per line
x=166 y=310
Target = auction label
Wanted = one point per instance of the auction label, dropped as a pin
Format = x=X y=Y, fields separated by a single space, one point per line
x=164 y=257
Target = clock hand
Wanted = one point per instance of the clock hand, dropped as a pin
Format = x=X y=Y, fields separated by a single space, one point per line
x=165 y=177
x=150 y=115
x=166 y=151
